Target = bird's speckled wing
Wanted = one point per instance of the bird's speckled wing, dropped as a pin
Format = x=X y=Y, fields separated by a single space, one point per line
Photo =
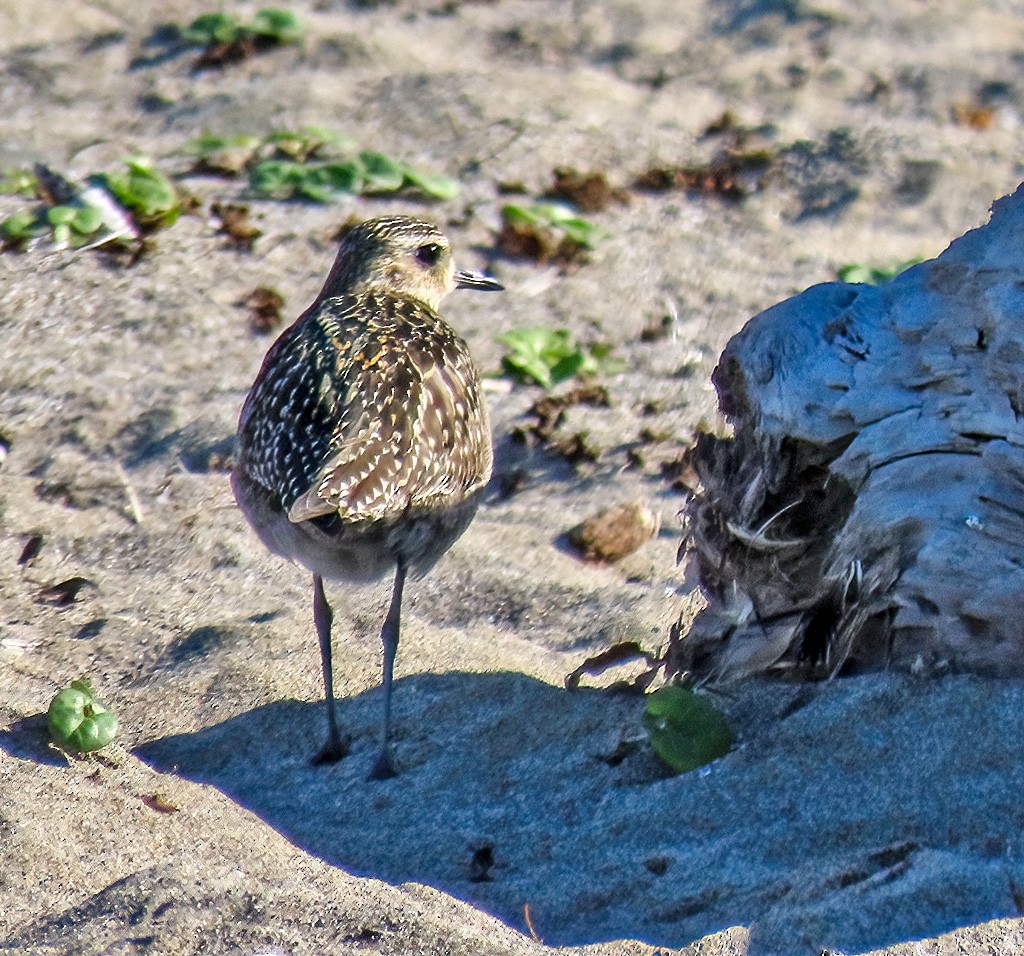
x=376 y=408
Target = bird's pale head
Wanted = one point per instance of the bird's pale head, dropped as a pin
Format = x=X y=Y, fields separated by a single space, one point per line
x=401 y=256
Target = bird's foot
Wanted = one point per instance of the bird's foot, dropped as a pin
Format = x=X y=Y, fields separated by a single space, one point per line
x=383 y=768
x=332 y=751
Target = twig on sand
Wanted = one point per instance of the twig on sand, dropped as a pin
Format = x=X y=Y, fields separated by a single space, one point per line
x=134 y=505
x=529 y=923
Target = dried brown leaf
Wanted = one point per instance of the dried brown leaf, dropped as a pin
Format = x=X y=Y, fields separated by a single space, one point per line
x=63 y=593
x=588 y=192
x=235 y=224
x=160 y=803
x=264 y=306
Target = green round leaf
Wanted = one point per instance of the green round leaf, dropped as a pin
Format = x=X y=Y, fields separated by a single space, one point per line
x=342 y=177
x=554 y=216
x=87 y=220
x=282 y=25
x=321 y=136
x=555 y=213
x=430 y=184
x=204 y=144
x=521 y=216
x=78 y=721
x=152 y=193
x=314 y=185
x=140 y=164
x=210 y=28
x=547 y=356
x=565 y=368
x=685 y=729
x=17 y=181
x=526 y=369
x=382 y=174
x=60 y=215
x=145 y=192
x=21 y=225
x=276 y=178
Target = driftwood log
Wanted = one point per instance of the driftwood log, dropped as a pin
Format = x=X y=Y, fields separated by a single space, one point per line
x=868 y=509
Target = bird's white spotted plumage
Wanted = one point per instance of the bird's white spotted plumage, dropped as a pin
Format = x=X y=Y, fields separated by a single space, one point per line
x=364 y=443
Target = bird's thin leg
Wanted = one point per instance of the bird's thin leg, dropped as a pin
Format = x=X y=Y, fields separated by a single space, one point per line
x=337 y=745
x=383 y=768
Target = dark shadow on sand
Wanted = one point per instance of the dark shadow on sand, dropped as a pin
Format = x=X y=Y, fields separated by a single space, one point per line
x=827 y=826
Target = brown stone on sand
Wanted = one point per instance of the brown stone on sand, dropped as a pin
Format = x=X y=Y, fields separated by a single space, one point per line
x=614 y=532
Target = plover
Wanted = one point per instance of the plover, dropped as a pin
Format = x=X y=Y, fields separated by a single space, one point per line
x=364 y=443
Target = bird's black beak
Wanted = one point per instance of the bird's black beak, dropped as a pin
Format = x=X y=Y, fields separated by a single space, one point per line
x=476 y=280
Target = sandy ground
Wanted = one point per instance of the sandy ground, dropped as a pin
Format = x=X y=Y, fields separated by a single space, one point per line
x=865 y=813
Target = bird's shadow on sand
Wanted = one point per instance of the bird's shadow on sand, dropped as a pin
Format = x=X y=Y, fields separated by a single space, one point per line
x=516 y=793
x=499 y=775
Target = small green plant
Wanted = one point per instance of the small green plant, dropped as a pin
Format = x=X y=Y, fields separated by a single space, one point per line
x=78 y=722
x=222 y=155
x=873 y=275
x=207 y=145
x=275 y=26
x=685 y=729
x=20 y=227
x=18 y=182
x=280 y=25
x=550 y=356
x=367 y=173
x=308 y=143
x=314 y=164
x=145 y=192
x=72 y=224
x=560 y=218
x=209 y=28
x=111 y=207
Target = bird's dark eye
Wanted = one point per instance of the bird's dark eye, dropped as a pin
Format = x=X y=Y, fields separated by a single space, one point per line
x=429 y=254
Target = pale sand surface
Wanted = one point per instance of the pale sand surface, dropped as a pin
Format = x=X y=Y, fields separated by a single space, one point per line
x=869 y=812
